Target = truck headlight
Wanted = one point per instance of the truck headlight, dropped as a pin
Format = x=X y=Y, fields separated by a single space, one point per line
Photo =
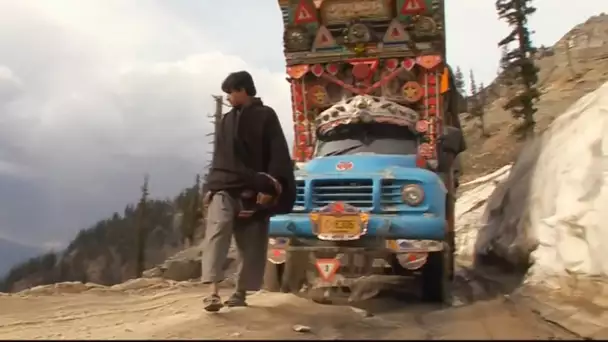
x=412 y=194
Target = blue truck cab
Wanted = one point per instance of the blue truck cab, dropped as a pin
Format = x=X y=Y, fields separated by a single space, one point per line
x=376 y=139
x=399 y=200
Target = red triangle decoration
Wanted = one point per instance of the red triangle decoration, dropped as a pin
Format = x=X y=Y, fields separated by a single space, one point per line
x=411 y=7
x=395 y=33
x=305 y=13
x=324 y=39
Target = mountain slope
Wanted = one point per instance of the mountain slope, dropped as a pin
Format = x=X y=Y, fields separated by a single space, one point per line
x=12 y=253
x=576 y=65
x=105 y=253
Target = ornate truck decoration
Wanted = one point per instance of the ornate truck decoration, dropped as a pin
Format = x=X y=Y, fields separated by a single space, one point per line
x=342 y=48
x=353 y=64
x=349 y=222
x=364 y=108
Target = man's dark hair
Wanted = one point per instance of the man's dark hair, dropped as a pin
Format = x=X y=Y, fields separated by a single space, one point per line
x=237 y=81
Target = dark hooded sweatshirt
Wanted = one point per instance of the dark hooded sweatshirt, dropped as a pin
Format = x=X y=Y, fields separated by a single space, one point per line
x=250 y=140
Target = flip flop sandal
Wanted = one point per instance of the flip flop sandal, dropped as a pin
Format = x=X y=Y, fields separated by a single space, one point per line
x=236 y=300
x=212 y=303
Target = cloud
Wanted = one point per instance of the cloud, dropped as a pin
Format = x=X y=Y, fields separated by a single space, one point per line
x=93 y=97
x=10 y=86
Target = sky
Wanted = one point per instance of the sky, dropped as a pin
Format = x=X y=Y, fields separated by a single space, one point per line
x=96 y=93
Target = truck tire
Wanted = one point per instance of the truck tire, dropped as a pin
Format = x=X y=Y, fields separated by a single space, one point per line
x=450 y=234
x=272 y=277
x=288 y=277
x=294 y=272
x=436 y=282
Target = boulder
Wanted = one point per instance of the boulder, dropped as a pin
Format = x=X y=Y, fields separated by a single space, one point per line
x=550 y=214
x=186 y=265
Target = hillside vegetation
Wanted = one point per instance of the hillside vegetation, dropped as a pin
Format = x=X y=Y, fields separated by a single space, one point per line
x=105 y=253
x=576 y=65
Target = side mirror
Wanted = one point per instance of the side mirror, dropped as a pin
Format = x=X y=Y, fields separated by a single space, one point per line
x=452 y=140
x=298 y=165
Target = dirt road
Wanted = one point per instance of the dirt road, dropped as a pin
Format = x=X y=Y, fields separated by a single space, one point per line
x=157 y=309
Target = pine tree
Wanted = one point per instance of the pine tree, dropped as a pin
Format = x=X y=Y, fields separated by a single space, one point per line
x=141 y=228
x=482 y=102
x=473 y=84
x=505 y=72
x=459 y=81
x=519 y=62
x=472 y=99
x=477 y=102
x=192 y=212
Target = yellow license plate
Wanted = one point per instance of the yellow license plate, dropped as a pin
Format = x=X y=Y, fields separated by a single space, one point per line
x=347 y=225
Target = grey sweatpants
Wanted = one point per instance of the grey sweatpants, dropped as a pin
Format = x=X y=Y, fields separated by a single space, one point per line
x=250 y=235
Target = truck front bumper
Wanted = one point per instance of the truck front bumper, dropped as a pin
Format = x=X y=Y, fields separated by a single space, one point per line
x=412 y=227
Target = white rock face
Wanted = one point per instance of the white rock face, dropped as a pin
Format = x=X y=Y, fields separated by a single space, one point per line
x=470 y=208
x=553 y=203
x=569 y=201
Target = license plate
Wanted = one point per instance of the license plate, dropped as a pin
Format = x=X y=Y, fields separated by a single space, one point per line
x=339 y=225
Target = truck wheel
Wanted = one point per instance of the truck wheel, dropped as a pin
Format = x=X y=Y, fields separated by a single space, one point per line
x=287 y=277
x=452 y=264
x=294 y=272
x=436 y=283
x=272 y=277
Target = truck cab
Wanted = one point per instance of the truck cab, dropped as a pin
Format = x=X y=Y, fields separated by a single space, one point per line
x=376 y=137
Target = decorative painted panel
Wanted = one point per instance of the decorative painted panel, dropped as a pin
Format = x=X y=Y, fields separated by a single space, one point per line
x=388 y=49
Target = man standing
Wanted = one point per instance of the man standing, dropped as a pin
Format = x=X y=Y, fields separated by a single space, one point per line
x=251 y=178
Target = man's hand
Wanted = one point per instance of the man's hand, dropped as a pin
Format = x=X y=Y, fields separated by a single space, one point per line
x=264 y=199
x=267 y=184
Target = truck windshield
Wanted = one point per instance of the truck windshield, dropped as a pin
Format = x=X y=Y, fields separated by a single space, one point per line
x=367 y=138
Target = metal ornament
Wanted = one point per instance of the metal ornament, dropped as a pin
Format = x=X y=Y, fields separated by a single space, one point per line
x=317 y=96
x=297 y=39
x=365 y=107
x=428 y=62
x=297 y=71
x=391 y=64
x=357 y=33
x=332 y=69
x=339 y=209
x=408 y=64
x=425 y=27
x=344 y=166
x=422 y=126
x=425 y=150
x=317 y=70
x=412 y=91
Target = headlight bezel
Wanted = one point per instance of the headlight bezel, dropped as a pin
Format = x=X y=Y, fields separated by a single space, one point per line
x=412 y=189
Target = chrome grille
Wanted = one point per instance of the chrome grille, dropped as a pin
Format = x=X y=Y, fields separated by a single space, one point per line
x=391 y=193
x=300 y=189
x=356 y=192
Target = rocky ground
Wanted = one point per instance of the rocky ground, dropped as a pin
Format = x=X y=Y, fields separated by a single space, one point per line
x=161 y=309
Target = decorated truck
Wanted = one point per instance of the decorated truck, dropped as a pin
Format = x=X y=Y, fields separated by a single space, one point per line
x=376 y=137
